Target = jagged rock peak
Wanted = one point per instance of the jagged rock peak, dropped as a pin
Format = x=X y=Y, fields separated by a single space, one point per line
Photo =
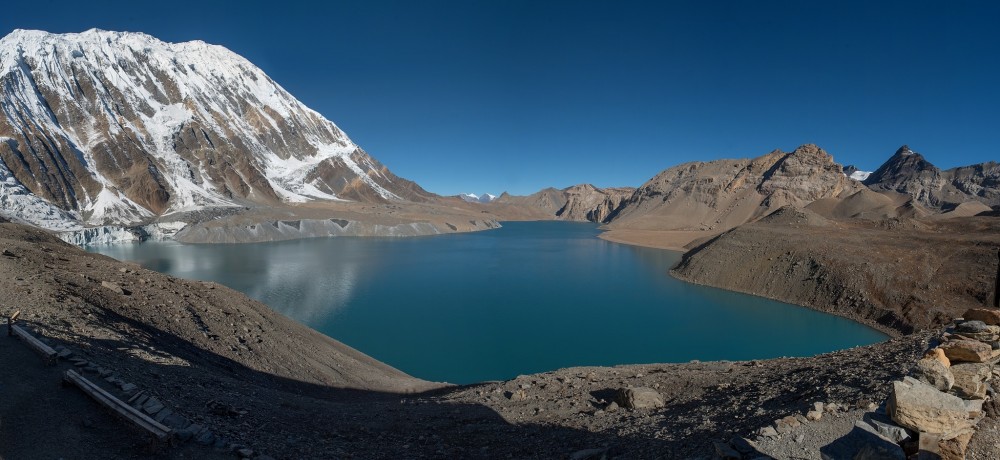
x=905 y=150
x=810 y=149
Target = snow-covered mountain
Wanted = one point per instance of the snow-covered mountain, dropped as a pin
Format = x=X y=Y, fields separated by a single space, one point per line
x=473 y=198
x=854 y=173
x=109 y=127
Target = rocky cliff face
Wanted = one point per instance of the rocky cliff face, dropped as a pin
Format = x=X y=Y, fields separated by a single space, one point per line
x=722 y=194
x=584 y=203
x=588 y=203
x=116 y=127
x=909 y=173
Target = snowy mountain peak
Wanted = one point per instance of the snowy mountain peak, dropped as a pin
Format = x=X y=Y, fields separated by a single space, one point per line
x=120 y=127
x=473 y=198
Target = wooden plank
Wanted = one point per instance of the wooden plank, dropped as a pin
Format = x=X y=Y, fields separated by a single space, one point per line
x=10 y=322
x=46 y=351
x=126 y=411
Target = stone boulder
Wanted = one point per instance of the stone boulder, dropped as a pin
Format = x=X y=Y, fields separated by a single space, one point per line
x=971 y=351
x=938 y=354
x=933 y=373
x=862 y=442
x=974 y=326
x=885 y=427
x=970 y=380
x=639 y=398
x=987 y=315
x=920 y=407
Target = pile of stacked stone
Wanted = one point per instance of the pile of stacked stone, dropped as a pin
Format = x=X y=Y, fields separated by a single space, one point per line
x=936 y=408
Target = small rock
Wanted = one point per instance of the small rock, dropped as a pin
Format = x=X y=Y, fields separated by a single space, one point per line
x=611 y=407
x=814 y=415
x=639 y=398
x=862 y=442
x=162 y=415
x=920 y=407
x=971 y=351
x=830 y=408
x=987 y=337
x=245 y=453
x=725 y=452
x=742 y=445
x=519 y=395
x=128 y=387
x=768 y=431
x=938 y=354
x=885 y=427
x=113 y=287
x=974 y=326
x=818 y=406
x=786 y=424
x=970 y=380
x=176 y=421
x=799 y=438
x=986 y=315
x=933 y=373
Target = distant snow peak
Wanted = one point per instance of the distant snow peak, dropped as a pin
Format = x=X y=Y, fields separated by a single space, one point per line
x=473 y=198
x=860 y=175
x=853 y=172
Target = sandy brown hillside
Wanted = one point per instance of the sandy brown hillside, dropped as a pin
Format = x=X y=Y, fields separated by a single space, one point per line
x=894 y=274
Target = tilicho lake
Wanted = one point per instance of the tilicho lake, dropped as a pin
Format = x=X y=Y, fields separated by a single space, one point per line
x=529 y=297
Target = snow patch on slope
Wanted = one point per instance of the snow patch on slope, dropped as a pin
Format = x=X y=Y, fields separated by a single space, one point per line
x=860 y=175
x=18 y=204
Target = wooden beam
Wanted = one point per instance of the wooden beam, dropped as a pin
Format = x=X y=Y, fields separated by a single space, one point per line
x=46 y=351
x=116 y=405
x=10 y=322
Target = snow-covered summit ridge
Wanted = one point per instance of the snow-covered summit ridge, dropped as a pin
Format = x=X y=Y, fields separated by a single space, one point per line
x=121 y=127
x=473 y=198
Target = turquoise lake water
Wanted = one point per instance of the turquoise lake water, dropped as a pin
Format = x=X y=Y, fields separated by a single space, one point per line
x=529 y=297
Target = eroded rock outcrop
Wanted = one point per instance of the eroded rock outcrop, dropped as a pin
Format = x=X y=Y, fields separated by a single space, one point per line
x=722 y=194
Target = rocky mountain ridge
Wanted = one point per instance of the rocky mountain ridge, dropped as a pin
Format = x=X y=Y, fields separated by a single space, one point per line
x=109 y=127
x=722 y=194
x=582 y=202
x=909 y=173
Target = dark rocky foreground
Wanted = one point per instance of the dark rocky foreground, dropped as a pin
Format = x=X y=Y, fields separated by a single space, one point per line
x=258 y=381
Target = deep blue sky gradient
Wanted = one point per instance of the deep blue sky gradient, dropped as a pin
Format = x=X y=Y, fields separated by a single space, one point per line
x=487 y=96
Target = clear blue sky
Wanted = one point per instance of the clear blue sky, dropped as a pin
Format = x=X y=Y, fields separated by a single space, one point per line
x=487 y=96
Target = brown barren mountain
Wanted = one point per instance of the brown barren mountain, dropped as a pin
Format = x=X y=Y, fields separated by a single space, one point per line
x=583 y=203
